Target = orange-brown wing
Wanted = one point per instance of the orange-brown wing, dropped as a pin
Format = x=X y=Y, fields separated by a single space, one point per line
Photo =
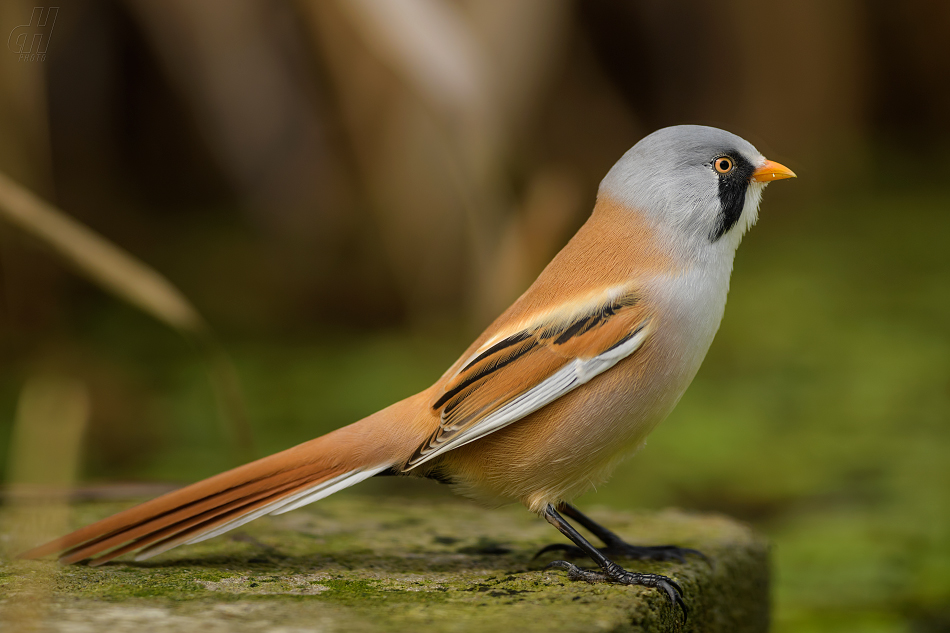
x=510 y=378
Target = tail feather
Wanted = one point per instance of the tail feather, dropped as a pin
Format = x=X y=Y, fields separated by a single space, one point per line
x=192 y=531
x=227 y=499
x=272 y=485
x=159 y=537
x=325 y=489
x=274 y=504
x=165 y=525
x=288 y=499
x=189 y=500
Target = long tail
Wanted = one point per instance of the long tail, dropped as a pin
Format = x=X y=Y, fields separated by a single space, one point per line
x=272 y=485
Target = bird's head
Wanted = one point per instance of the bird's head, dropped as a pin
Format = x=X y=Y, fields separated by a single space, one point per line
x=701 y=185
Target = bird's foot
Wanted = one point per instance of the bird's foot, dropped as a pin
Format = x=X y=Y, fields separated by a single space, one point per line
x=616 y=574
x=621 y=549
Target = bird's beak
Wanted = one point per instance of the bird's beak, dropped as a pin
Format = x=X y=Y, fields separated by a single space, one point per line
x=770 y=170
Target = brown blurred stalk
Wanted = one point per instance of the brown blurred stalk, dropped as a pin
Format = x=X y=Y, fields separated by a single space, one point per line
x=110 y=267
x=97 y=259
x=433 y=96
x=46 y=446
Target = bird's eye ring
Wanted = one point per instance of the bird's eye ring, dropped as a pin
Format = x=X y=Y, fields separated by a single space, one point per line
x=724 y=164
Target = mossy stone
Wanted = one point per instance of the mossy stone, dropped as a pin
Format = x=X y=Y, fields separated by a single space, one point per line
x=360 y=563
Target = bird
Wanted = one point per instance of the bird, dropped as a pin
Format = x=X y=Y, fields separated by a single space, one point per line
x=545 y=403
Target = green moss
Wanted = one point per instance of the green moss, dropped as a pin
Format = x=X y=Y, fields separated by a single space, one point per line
x=357 y=563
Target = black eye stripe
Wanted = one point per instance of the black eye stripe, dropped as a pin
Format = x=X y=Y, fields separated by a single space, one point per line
x=732 y=189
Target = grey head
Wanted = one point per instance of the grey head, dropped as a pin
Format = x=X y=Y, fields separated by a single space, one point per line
x=698 y=183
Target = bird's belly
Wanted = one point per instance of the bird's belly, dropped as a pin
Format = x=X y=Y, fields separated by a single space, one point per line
x=574 y=443
x=564 y=449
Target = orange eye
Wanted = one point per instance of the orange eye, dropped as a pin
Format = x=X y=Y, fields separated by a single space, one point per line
x=724 y=164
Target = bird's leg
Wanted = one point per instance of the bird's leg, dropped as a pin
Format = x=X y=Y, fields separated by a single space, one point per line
x=612 y=572
x=616 y=547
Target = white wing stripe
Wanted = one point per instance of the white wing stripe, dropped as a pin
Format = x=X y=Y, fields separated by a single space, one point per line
x=566 y=379
x=329 y=487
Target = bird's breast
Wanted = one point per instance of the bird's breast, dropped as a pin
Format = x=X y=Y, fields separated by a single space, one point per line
x=573 y=443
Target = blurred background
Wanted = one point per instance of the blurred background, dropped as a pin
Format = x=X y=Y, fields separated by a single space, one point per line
x=347 y=191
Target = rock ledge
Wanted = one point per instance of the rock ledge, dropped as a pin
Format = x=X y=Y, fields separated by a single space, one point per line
x=359 y=563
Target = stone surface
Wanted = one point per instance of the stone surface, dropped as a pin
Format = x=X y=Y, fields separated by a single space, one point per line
x=361 y=563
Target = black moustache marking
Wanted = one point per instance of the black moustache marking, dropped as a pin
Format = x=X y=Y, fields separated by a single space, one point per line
x=732 y=190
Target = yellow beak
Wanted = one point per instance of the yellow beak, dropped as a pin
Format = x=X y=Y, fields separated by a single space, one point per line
x=770 y=170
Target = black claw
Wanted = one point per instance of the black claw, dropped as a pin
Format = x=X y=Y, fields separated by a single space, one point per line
x=659 y=552
x=576 y=573
x=682 y=605
x=671 y=593
x=672 y=590
x=559 y=564
x=611 y=571
x=679 y=589
x=560 y=547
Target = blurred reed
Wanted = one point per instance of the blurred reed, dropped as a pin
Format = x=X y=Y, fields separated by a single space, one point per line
x=48 y=430
x=117 y=271
x=97 y=259
x=433 y=96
